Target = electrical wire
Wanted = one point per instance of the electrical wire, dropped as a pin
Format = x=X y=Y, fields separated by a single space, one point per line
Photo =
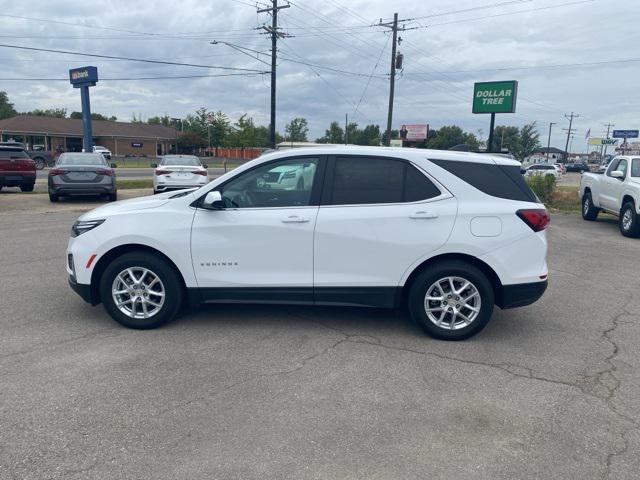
x=130 y=59
x=364 y=91
x=107 y=79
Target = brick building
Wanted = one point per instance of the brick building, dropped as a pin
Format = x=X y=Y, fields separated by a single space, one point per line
x=122 y=138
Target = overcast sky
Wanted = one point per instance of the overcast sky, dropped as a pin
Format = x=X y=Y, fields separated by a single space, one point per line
x=454 y=45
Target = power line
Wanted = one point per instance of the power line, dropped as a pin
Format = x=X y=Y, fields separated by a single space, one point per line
x=471 y=9
x=107 y=79
x=370 y=77
x=130 y=59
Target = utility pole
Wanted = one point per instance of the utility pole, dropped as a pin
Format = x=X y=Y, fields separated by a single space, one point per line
x=392 y=79
x=603 y=151
x=551 y=124
x=275 y=35
x=346 y=128
x=569 y=130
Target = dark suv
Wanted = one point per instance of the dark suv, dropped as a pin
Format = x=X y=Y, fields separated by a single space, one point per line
x=17 y=169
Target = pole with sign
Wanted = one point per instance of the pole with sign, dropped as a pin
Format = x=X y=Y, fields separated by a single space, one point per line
x=494 y=97
x=83 y=78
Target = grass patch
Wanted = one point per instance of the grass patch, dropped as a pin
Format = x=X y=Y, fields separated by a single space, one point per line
x=131 y=184
x=565 y=200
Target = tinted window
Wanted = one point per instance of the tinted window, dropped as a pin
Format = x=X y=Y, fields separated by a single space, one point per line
x=367 y=180
x=502 y=181
x=6 y=153
x=635 y=167
x=188 y=161
x=81 y=159
x=286 y=183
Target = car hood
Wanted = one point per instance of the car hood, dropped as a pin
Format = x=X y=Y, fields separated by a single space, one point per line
x=131 y=205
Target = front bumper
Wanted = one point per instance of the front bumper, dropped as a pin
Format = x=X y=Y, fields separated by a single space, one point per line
x=83 y=290
x=521 y=294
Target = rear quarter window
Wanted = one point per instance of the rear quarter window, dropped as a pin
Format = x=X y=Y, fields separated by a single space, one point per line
x=501 y=181
x=635 y=167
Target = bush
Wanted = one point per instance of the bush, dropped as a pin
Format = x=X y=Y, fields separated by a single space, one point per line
x=544 y=186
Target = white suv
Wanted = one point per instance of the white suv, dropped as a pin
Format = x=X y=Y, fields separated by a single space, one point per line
x=449 y=234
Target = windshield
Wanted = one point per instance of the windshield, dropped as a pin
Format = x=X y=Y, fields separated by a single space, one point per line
x=187 y=160
x=81 y=159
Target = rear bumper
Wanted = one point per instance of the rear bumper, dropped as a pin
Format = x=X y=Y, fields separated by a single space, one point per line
x=82 y=189
x=521 y=294
x=83 y=290
x=15 y=179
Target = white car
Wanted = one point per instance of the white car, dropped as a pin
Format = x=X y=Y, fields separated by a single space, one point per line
x=106 y=153
x=617 y=192
x=543 y=169
x=177 y=172
x=449 y=234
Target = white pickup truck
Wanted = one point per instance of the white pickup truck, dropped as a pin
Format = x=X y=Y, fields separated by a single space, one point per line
x=617 y=191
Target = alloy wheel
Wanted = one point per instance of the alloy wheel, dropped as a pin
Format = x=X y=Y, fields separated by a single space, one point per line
x=138 y=292
x=452 y=303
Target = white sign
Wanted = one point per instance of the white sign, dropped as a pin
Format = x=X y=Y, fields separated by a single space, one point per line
x=414 y=133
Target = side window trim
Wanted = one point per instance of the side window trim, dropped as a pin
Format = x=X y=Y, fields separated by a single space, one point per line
x=316 y=188
x=327 y=191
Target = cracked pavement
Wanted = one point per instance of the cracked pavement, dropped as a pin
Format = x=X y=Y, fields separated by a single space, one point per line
x=247 y=392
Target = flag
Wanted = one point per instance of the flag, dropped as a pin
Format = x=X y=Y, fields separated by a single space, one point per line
x=587 y=135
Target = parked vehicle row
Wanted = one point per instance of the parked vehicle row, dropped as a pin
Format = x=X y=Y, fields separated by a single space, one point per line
x=617 y=191
x=41 y=158
x=441 y=232
x=17 y=169
x=82 y=174
x=544 y=169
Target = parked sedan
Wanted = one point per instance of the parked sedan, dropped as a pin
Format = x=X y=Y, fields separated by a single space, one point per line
x=577 y=167
x=82 y=174
x=542 y=169
x=176 y=172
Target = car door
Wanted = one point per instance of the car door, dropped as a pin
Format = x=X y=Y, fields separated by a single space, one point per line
x=377 y=217
x=260 y=245
x=611 y=186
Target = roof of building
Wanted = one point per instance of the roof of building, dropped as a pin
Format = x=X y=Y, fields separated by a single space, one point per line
x=36 y=125
x=550 y=150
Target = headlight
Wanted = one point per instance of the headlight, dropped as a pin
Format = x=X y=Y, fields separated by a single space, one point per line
x=80 y=227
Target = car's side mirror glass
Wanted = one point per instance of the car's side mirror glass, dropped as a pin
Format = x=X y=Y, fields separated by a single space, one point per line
x=523 y=171
x=213 y=200
x=617 y=174
x=205 y=166
x=113 y=165
x=154 y=165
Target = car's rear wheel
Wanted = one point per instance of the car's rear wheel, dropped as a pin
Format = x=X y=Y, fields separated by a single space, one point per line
x=39 y=162
x=628 y=221
x=589 y=211
x=53 y=197
x=113 y=197
x=27 y=188
x=452 y=300
x=140 y=290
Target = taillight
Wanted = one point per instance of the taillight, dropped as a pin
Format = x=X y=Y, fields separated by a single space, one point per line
x=108 y=173
x=536 y=218
x=55 y=171
x=200 y=172
x=162 y=172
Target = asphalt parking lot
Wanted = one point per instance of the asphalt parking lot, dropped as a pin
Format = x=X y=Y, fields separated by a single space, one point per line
x=243 y=392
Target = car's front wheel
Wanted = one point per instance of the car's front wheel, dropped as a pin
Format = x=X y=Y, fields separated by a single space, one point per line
x=628 y=220
x=452 y=300
x=27 y=188
x=589 y=211
x=141 y=290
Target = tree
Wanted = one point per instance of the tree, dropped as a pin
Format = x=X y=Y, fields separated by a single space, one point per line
x=505 y=137
x=94 y=116
x=219 y=128
x=394 y=135
x=450 y=136
x=334 y=134
x=189 y=142
x=296 y=130
x=6 y=107
x=370 y=135
x=49 y=112
x=528 y=142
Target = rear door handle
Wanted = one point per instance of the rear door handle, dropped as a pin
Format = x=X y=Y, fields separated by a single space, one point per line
x=295 y=219
x=420 y=215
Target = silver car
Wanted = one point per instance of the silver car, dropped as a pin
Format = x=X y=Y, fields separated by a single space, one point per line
x=82 y=174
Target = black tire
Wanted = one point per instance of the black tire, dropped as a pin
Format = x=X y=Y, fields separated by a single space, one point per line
x=53 y=197
x=589 y=211
x=628 y=221
x=39 y=161
x=113 y=197
x=173 y=292
x=422 y=284
x=27 y=188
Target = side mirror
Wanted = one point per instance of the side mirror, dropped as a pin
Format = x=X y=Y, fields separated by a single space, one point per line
x=113 y=165
x=154 y=165
x=523 y=171
x=205 y=165
x=617 y=174
x=214 y=200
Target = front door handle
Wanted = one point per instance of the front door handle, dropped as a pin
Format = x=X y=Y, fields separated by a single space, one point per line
x=423 y=215
x=294 y=219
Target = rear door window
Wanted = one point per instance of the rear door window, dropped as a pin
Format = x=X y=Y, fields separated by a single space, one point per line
x=635 y=167
x=361 y=180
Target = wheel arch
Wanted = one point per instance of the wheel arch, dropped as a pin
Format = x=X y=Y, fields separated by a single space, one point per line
x=627 y=197
x=118 y=251
x=485 y=268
